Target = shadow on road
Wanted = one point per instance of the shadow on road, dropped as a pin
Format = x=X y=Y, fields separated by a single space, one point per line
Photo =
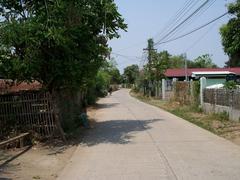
x=5 y=161
x=116 y=131
x=106 y=105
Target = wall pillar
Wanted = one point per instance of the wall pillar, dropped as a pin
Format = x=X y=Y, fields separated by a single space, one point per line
x=163 y=89
x=203 y=84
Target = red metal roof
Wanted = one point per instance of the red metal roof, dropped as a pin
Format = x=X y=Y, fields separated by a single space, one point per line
x=181 y=72
x=6 y=87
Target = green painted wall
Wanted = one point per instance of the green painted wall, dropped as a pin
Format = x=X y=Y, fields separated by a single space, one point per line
x=215 y=81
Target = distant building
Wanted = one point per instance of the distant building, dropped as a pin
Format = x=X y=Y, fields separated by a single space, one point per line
x=7 y=86
x=213 y=75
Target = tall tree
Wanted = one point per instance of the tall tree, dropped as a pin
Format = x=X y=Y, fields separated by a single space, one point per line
x=131 y=73
x=160 y=63
x=177 y=61
x=203 y=61
x=60 y=43
x=231 y=35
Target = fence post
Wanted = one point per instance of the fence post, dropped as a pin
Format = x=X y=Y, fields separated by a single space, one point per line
x=203 y=84
x=192 y=91
x=163 y=89
x=159 y=89
x=156 y=89
x=149 y=88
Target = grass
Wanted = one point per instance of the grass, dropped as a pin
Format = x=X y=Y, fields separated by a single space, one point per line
x=217 y=123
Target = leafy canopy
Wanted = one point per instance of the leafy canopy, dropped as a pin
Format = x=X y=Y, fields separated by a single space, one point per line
x=60 y=43
x=231 y=35
x=203 y=61
x=131 y=73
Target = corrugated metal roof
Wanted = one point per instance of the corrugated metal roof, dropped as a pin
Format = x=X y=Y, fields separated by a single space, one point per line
x=8 y=87
x=181 y=72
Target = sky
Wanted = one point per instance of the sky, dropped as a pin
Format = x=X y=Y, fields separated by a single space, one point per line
x=148 y=18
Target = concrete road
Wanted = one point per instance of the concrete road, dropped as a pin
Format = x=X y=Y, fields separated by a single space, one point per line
x=133 y=140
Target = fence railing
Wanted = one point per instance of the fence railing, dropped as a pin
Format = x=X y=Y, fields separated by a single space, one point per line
x=26 y=111
x=223 y=97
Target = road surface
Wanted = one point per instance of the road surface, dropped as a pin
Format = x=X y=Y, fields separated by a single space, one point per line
x=133 y=140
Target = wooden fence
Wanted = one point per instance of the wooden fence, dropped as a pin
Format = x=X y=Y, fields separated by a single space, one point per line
x=26 y=111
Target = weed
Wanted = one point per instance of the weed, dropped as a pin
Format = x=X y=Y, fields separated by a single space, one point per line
x=36 y=177
x=222 y=116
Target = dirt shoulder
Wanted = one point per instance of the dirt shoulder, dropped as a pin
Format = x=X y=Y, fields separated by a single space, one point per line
x=216 y=123
x=42 y=161
x=39 y=162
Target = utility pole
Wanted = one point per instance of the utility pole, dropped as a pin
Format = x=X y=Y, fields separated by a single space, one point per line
x=150 y=49
x=185 y=66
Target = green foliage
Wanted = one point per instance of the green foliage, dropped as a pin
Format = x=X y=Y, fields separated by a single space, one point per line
x=130 y=74
x=177 y=61
x=111 y=69
x=231 y=35
x=203 y=61
x=102 y=83
x=107 y=75
x=196 y=93
x=59 y=43
x=222 y=116
x=62 y=44
x=159 y=65
x=230 y=85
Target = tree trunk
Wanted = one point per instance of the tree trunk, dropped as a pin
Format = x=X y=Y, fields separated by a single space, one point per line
x=56 y=112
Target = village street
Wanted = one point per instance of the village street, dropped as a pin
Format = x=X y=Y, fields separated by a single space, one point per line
x=132 y=140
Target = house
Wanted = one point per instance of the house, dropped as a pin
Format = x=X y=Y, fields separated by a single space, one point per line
x=213 y=75
x=7 y=86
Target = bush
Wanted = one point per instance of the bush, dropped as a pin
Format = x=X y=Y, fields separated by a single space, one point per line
x=230 y=85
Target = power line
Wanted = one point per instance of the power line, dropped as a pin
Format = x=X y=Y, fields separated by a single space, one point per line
x=182 y=23
x=170 y=24
x=133 y=59
x=187 y=5
x=179 y=25
x=125 y=55
x=200 y=38
x=178 y=16
x=194 y=29
x=197 y=15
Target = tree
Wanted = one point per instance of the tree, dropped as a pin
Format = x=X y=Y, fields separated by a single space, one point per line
x=62 y=44
x=159 y=65
x=59 y=43
x=114 y=73
x=107 y=75
x=177 y=61
x=131 y=73
x=231 y=35
x=203 y=61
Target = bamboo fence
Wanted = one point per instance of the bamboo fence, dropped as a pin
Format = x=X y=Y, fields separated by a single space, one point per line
x=25 y=112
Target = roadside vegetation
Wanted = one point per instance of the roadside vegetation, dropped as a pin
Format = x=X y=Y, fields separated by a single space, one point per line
x=64 y=46
x=217 y=123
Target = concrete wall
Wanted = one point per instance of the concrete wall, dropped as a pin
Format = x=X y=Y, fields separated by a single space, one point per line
x=234 y=114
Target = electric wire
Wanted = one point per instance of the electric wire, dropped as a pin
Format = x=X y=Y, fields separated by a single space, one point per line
x=177 y=17
x=125 y=55
x=180 y=24
x=200 y=38
x=179 y=14
x=191 y=21
x=194 y=29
